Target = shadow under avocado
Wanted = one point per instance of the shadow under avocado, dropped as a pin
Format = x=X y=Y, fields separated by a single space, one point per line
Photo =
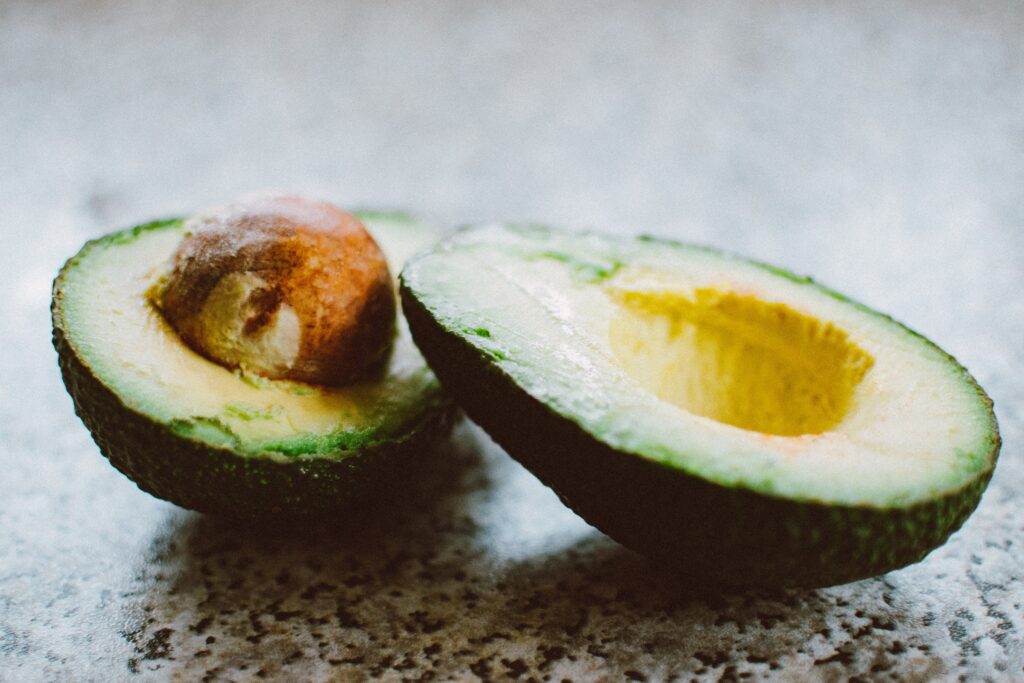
x=420 y=580
x=413 y=509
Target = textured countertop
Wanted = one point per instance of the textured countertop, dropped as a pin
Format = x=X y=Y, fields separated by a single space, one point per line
x=879 y=148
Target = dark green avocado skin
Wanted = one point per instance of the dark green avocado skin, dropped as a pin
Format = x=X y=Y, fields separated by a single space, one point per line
x=216 y=480
x=709 y=533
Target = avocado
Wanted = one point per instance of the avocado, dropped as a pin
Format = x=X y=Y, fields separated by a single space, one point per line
x=218 y=440
x=734 y=422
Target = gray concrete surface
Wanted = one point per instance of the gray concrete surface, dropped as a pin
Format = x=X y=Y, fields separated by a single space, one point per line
x=877 y=146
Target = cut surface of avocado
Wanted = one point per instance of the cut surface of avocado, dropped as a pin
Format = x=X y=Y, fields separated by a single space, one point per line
x=694 y=375
x=116 y=347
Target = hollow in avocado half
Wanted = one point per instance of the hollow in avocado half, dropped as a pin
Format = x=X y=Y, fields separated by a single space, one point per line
x=734 y=422
x=214 y=427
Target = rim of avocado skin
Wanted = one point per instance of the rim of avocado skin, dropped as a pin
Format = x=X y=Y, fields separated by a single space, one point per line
x=199 y=469
x=727 y=526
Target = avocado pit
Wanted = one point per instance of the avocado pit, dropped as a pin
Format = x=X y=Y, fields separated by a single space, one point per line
x=282 y=286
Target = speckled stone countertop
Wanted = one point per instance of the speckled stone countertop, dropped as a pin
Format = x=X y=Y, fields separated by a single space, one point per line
x=879 y=148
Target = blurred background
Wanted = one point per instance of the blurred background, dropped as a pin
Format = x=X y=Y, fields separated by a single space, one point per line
x=824 y=136
x=877 y=146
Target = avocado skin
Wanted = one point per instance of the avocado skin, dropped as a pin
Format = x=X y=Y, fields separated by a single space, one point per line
x=215 y=480
x=713 y=534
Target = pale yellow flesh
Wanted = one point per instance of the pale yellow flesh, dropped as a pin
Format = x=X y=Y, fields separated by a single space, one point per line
x=736 y=359
x=119 y=334
x=717 y=367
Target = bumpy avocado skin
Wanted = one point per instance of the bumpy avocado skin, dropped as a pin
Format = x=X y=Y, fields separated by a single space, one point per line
x=216 y=480
x=710 y=533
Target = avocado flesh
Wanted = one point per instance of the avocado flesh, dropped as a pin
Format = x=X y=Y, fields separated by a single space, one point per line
x=214 y=439
x=738 y=422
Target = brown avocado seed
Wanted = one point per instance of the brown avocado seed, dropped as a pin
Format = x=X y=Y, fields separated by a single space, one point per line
x=283 y=286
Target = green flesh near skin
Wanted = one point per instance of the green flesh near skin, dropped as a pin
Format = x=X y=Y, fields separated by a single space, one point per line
x=739 y=421
x=214 y=439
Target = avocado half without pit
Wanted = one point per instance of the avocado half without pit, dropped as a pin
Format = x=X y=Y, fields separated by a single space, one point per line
x=250 y=360
x=728 y=419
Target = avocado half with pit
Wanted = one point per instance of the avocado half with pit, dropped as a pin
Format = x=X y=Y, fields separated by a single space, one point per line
x=225 y=441
x=731 y=420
